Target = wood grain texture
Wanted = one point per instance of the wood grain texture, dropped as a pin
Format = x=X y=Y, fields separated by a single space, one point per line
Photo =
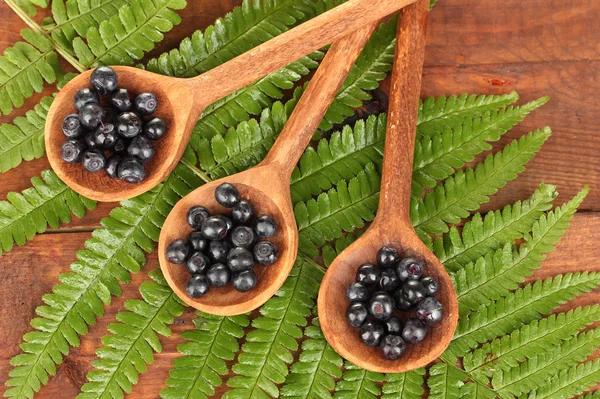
x=538 y=47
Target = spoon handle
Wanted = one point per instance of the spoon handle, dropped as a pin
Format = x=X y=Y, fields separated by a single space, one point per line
x=290 y=46
x=403 y=108
x=315 y=101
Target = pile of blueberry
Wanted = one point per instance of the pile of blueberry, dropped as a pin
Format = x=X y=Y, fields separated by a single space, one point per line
x=224 y=248
x=394 y=284
x=113 y=137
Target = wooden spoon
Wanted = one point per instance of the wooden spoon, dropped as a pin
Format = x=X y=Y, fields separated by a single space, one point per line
x=267 y=186
x=392 y=225
x=181 y=101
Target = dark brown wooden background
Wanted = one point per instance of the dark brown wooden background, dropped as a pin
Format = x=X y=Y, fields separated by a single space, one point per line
x=537 y=47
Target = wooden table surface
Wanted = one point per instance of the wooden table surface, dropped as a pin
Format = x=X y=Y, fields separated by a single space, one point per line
x=537 y=47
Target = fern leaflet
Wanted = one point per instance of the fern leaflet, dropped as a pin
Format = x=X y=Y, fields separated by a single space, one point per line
x=570 y=382
x=404 y=385
x=358 y=383
x=445 y=381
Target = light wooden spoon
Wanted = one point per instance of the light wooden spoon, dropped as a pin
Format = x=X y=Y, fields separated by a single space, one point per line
x=181 y=101
x=267 y=186
x=392 y=225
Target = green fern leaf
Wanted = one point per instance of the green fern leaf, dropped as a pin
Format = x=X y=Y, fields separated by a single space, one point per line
x=436 y=114
x=129 y=348
x=28 y=7
x=110 y=256
x=342 y=209
x=263 y=363
x=475 y=390
x=492 y=276
x=522 y=306
x=358 y=383
x=481 y=235
x=25 y=67
x=48 y=203
x=445 y=381
x=537 y=370
x=570 y=382
x=452 y=200
x=125 y=37
x=404 y=385
x=438 y=155
x=317 y=368
x=23 y=140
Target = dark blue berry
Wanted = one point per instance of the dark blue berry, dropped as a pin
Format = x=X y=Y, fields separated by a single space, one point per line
x=90 y=115
x=265 y=226
x=400 y=302
x=393 y=325
x=93 y=160
x=356 y=314
x=71 y=127
x=244 y=281
x=357 y=292
x=103 y=137
x=141 y=148
x=242 y=212
x=177 y=252
x=121 y=146
x=387 y=257
x=121 y=99
x=381 y=306
x=393 y=347
x=146 y=103
x=227 y=195
x=197 y=286
x=131 y=170
x=414 y=331
x=197 y=263
x=409 y=269
x=430 y=285
x=214 y=228
x=239 y=259
x=368 y=274
x=218 y=275
x=413 y=291
x=389 y=280
x=371 y=333
x=198 y=242
x=242 y=236
x=429 y=311
x=112 y=166
x=196 y=215
x=155 y=129
x=72 y=151
x=218 y=250
x=85 y=96
x=129 y=124
x=104 y=80
x=265 y=253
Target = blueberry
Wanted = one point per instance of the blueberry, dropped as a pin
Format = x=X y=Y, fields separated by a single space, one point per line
x=103 y=137
x=112 y=166
x=227 y=221
x=357 y=292
x=368 y=274
x=109 y=115
x=72 y=151
x=265 y=226
x=242 y=212
x=71 y=127
x=214 y=228
x=197 y=286
x=393 y=325
x=227 y=195
x=197 y=263
x=389 y=280
x=121 y=146
x=218 y=275
x=265 y=253
x=218 y=250
x=155 y=129
x=146 y=103
x=131 y=170
x=129 y=124
x=90 y=115
x=430 y=311
x=414 y=331
x=93 y=160
x=242 y=236
x=197 y=241
x=400 y=302
x=409 y=269
x=239 y=259
x=430 y=285
x=244 y=281
x=121 y=99
x=371 y=333
x=393 y=347
x=387 y=257
x=141 y=148
x=196 y=215
x=178 y=251
x=381 y=306
x=413 y=291
x=104 y=80
x=85 y=96
x=356 y=314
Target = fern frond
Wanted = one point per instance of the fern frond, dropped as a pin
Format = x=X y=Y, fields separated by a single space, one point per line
x=463 y=192
x=494 y=275
x=358 y=383
x=25 y=67
x=445 y=381
x=537 y=370
x=342 y=209
x=404 y=385
x=126 y=36
x=111 y=255
x=438 y=155
x=483 y=234
x=23 y=140
x=435 y=114
x=313 y=375
x=209 y=346
x=570 y=382
x=28 y=7
x=533 y=338
x=48 y=203
x=475 y=390
x=129 y=348
x=263 y=363
x=522 y=306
